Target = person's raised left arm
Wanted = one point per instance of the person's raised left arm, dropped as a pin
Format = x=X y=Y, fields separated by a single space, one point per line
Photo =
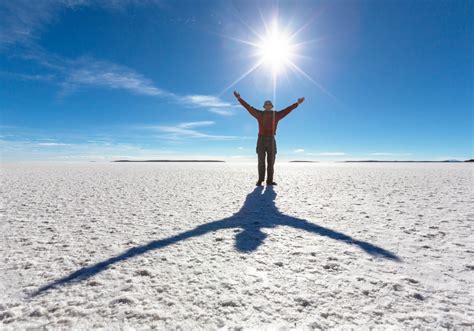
x=282 y=113
x=250 y=109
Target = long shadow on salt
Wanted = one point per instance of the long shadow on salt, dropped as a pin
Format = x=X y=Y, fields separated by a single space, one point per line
x=258 y=212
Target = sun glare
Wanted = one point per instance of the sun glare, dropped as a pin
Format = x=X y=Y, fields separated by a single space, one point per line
x=275 y=50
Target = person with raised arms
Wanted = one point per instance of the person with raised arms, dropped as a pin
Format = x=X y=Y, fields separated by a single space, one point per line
x=266 y=144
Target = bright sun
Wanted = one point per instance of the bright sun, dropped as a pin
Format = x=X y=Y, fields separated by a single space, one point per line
x=275 y=50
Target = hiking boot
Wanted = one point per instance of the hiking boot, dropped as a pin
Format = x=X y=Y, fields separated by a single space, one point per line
x=271 y=183
x=259 y=183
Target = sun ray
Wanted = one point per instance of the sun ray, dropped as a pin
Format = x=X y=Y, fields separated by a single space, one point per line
x=305 y=25
x=245 y=74
x=298 y=69
x=263 y=21
x=248 y=27
x=247 y=42
x=301 y=56
x=306 y=42
x=274 y=90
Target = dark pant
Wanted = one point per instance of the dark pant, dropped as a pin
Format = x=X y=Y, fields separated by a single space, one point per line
x=266 y=145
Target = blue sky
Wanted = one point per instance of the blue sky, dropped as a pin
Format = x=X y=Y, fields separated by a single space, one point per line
x=101 y=80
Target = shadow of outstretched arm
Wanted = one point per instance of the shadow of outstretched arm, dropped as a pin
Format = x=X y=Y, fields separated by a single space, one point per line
x=92 y=270
x=326 y=232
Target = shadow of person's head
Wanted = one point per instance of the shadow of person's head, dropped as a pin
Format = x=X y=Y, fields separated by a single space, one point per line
x=259 y=211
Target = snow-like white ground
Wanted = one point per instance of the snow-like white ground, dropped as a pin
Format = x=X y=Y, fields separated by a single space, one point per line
x=117 y=245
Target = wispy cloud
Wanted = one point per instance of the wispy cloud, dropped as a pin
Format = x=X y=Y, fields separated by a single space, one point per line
x=328 y=154
x=26 y=77
x=189 y=125
x=299 y=150
x=90 y=72
x=23 y=21
x=212 y=103
x=185 y=131
x=52 y=144
x=87 y=72
x=390 y=154
x=222 y=111
x=204 y=101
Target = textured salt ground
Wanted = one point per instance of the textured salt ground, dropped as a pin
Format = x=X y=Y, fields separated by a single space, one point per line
x=104 y=245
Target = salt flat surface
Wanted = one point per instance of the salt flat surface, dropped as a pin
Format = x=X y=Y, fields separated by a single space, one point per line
x=117 y=245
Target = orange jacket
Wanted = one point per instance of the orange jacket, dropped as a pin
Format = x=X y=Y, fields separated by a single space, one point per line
x=267 y=120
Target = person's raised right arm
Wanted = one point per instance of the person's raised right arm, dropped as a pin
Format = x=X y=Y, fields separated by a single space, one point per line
x=249 y=108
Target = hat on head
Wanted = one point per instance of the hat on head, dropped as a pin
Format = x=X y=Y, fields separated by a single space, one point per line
x=267 y=101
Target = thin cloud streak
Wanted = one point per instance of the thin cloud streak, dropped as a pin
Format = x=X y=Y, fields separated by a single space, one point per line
x=328 y=154
x=26 y=77
x=183 y=131
x=90 y=72
x=204 y=101
x=390 y=154
x=213 y=103
x=222 y=112
x=189 y=125
x=112 y=76
x=52 y=144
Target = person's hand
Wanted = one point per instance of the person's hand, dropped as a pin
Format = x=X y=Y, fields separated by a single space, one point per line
x=300 y=100
x=237 y=94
